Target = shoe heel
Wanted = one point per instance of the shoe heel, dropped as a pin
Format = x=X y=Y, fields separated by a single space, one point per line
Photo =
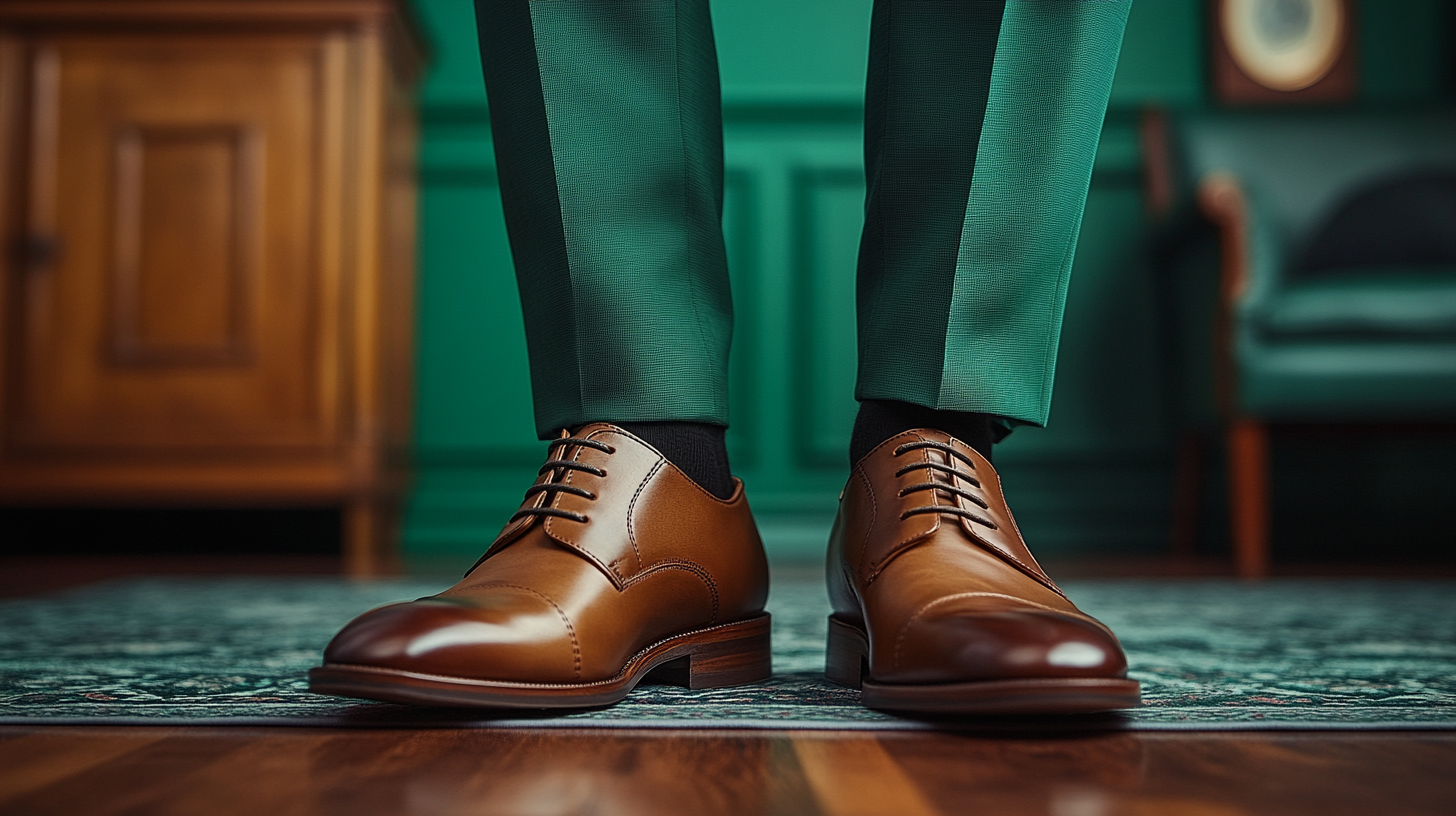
x=734 y=655
x=846 y=659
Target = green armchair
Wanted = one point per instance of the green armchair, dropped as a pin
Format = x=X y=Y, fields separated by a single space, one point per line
x=1304 y=283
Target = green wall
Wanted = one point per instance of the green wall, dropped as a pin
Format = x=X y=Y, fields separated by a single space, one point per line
x=1095 y=481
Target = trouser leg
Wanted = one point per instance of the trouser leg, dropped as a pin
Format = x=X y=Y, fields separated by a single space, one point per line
x=608 y=139
x=982 y=120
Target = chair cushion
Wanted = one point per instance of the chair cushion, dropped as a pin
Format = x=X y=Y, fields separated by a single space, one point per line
x=1390 y=302
x=1405 y=221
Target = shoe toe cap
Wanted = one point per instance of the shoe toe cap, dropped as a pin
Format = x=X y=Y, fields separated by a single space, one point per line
x=960 y=645
x=510 y=640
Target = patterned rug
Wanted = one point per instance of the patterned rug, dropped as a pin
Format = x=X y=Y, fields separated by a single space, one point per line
x=1211 y=654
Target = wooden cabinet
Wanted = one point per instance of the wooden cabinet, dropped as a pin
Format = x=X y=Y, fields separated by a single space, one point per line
x=209 y=211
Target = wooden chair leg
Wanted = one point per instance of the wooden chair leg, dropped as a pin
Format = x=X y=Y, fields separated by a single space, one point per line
x=1187 y=487
x=370 y=539
x=1248 y=468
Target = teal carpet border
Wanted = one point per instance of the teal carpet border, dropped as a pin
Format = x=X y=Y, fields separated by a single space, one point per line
x=1211 y=655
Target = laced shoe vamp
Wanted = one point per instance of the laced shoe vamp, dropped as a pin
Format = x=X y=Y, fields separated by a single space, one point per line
x=941 y=581
x=607 y=555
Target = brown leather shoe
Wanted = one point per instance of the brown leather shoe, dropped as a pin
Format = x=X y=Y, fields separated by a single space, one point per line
x=617 y=566
x=938 y=604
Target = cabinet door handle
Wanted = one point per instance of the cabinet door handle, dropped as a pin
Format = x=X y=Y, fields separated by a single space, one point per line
x=37 y=253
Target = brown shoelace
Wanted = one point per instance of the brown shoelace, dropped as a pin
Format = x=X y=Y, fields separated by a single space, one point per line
x=948 y=486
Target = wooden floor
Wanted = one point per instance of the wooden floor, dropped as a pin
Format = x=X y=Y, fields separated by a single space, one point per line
x=76 y=771
x=213 y=772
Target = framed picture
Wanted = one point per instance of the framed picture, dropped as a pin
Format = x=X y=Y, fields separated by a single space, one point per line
x=1271 y=52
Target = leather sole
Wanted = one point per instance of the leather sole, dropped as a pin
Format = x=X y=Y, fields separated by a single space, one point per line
x=731 y=654
x=847 y=663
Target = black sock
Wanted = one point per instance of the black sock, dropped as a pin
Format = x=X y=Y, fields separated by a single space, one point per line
x=696 y=449
x=879 y=420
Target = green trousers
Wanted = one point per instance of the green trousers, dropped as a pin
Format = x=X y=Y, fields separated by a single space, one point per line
x=981 y=121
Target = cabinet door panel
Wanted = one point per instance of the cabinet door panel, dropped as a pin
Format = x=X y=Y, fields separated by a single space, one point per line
x=182 y=180
x=184 y=267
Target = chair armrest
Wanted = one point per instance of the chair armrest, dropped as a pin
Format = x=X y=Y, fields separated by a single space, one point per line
x=1250 y=247
x=1250 y=272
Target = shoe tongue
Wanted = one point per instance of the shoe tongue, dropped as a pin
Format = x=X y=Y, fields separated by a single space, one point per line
x=934 y=435
x=960 y=446
x=589 y=428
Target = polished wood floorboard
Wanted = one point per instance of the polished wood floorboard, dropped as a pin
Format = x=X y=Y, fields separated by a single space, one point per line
x=74 y=771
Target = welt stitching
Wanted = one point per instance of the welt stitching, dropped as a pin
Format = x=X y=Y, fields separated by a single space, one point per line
x=613 y=679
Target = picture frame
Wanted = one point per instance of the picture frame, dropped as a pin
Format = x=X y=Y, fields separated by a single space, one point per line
x=1283 y=52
